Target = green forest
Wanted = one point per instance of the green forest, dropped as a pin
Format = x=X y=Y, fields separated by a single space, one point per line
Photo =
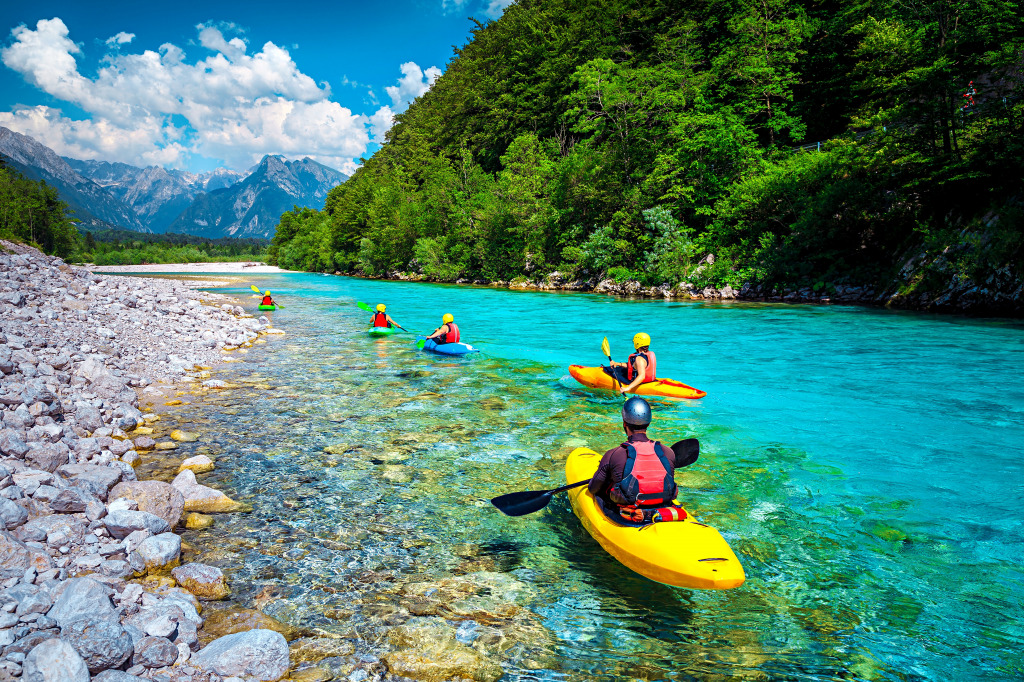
x=799 y=142
x=124 y=247
x=32 y=212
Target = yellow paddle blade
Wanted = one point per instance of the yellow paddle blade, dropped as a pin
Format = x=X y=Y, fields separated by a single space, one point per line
x=604 y=347
x=255 y=288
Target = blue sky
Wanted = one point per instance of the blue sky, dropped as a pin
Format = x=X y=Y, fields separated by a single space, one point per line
x=196 y=86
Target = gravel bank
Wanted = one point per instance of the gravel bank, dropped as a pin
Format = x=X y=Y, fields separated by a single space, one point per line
x=81 y=540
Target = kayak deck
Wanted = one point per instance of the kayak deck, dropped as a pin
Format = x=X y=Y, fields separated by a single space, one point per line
x=596 y=377
x=382 y=331
x=448 y=348
x=679 y=553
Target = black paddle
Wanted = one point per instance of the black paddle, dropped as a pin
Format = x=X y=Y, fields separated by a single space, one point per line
x=528 y=501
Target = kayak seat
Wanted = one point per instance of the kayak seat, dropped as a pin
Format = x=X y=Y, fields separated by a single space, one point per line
x=620 y=375
x=612 y=512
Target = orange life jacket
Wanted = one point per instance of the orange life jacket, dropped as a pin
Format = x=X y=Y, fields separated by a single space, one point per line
x=652 y=363
x=450 y=336
x=647 y=479
x=267 y=301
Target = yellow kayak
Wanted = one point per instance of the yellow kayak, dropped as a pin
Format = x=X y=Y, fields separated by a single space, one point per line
x=680 y=553
x=596 y=377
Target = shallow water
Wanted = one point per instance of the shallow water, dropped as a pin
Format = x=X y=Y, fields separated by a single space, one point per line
x=865 y=465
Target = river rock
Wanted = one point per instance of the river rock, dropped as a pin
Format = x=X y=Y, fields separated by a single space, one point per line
x=144 y=443
x=88 y=417
x=11 y=444
x=16 y=557
x=256 y=654
x=116 y=676
x=239 y=619
x=54 y=660
x=121 y=523
x=201 y=498
x=197 y=521
x=183 y=436
x=155 y=652
x=427 y=649
x=71 y=500
x=160 y=551
x=98 y=480
x=101 y=643
x=48 y=456
x=155 y=497
x=55 y=529
x=12 y=515
x=82 y=598
x=205 y=582
x=199 y=464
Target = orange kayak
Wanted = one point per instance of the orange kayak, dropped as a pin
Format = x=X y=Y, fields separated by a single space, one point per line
x=596 y=377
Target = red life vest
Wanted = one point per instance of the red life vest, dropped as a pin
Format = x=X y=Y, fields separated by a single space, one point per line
x=380 y=320
x=267 y=301
x=652 y=363
x=450 y=336
x=647 y=479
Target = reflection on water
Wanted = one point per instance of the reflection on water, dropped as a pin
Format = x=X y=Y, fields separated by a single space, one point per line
x=875 y=511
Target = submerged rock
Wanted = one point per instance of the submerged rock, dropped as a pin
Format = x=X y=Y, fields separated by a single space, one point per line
x=183 y=436
x=197 y=521
x=427 y=649
x=238 y=619
x=205 y=582
x=199 y=464
x=202 y=498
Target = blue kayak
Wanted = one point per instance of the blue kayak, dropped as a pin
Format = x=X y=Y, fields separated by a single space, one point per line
x=447 y=348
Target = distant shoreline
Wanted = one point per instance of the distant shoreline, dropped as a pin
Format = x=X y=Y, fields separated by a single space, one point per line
x=240 y=267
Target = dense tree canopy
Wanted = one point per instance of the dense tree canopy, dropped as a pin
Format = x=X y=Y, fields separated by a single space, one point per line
x=632 y=139
x=30 y=211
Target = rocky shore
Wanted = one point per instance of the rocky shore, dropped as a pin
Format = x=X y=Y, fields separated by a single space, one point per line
x=91 y=580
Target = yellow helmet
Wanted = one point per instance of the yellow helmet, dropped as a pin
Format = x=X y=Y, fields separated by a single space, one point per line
x=266 y=293
x=641 y=340
x=448 y=317
x=381 y=307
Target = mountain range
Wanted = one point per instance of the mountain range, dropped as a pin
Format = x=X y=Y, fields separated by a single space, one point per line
x=219 y=203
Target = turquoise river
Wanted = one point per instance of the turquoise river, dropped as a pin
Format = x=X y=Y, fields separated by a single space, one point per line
x=867 y=467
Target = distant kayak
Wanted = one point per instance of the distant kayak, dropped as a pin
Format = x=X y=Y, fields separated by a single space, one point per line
x=267 y=307
x=382 y=331
x=598 y=377
x=680 y=553
x=447 y=348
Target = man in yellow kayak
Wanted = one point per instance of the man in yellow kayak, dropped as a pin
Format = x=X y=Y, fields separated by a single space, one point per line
x=448 y=332
x=640 y=366
x=382 y=319
x=638 y=476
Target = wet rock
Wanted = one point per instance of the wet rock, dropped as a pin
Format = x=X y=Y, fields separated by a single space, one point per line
x=199 y=464
x=238 y=619
x=155 y=497
x=258 y=654
x=12 y=515
x=160 y=551
x=205 y=582
x=183 y=436
x=121 y=523
x=82 y=598
x=101 y=643
x=54 y=660
x=144 y=443
x=197 y=521
x=155 y=652
x=316 y=649
x=201 y=498
x=427 y=649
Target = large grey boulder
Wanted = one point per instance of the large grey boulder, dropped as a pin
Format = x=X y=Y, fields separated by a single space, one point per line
x=155 y=652
x=257 y=654
x=48 y=456
x=123 y=522
x=88 y=417
x=160 y=551
x=11 y=444
x=16 y=557
x=56 y=530
x=98 y=480
x=12 y=515
x=54 y=660
x=101 y=643
x=155 y=497
x=82 y=598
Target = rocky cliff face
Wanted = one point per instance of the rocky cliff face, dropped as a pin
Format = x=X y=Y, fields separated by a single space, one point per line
x=252 y=207
x=92 y=203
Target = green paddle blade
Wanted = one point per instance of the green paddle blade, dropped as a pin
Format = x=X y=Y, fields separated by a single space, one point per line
x=363 y=306
x=420 y=344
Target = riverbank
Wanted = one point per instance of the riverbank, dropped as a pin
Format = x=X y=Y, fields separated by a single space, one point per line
x=91 y=563
x=247 y=268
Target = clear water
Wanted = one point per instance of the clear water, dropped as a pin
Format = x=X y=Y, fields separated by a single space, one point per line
x=865 y=465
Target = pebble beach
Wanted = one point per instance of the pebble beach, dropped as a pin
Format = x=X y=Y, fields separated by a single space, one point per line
x=92 y=581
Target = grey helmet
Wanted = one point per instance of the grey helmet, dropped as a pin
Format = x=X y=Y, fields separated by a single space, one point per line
x=636 y=412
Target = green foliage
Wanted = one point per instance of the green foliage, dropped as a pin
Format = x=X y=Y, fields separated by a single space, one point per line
x=125 y=247
x=634 y=139
x=30 y=211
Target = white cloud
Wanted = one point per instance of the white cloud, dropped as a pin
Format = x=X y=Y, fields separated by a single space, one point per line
x=448 y=6
x=121 y=38
x=381 y=122
x=238 y=106
x=413 y=83
x=495 y=8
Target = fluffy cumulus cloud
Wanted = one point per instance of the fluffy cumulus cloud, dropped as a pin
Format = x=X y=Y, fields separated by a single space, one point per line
x=154 y=107
x=413 y=83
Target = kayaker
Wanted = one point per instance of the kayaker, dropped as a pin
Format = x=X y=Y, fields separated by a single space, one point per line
x=448 y=332
x=640 y=366
x=382 y=319
x=267 y=300
x=638 y=477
